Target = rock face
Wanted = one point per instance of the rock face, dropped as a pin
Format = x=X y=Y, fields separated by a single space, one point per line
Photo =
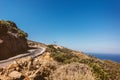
x=16 y=75
x=12 y=40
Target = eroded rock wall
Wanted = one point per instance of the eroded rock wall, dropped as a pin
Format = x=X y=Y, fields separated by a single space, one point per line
x=12 y=40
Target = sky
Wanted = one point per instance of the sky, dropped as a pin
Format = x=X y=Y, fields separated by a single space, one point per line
x=83 y=25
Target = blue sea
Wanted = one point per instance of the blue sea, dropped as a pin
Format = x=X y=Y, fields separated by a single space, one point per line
x=113 y=57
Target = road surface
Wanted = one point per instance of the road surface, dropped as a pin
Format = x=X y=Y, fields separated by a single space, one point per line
x=33 y=53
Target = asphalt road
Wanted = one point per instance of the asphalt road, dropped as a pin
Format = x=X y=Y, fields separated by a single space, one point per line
x=32 y=52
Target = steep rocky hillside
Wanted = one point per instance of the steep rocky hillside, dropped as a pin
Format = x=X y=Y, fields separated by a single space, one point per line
x=59 y=63
x=56 y=63
x=12 y=40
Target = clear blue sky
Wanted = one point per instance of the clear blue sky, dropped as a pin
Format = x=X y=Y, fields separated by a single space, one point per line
x=85 y=25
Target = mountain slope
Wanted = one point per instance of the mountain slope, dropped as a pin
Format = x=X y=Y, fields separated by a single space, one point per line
x=102 y=70
x=12 y=40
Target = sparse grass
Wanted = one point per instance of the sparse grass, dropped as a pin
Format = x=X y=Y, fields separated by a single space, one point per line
x=113 y=69
x=6 y=26
x=22 y=33
x=97 y=69
x=66 y=56
x=72 y=71
x=63 y=55
x=99 y=72
x=3 y=27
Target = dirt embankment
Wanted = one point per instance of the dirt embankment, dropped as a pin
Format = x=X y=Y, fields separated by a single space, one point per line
x=12 y=40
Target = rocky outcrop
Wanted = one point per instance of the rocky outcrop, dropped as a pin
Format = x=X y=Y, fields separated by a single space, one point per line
x=28 y=69
x=37 y=69
x=12 y=40
x=16 y=75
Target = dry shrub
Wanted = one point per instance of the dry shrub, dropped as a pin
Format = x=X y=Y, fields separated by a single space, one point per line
x=73 y=71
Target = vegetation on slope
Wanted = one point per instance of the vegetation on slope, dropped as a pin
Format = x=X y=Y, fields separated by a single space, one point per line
x=61 y=55
x=10 y=26
x=102 y=70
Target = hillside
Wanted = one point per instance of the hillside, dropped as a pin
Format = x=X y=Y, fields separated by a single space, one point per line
x=59 y=63
x=12 y=40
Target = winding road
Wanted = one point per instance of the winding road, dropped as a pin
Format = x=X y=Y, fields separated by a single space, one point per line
x=32 y=52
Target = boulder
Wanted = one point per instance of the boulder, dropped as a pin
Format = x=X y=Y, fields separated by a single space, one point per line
x=16 y=75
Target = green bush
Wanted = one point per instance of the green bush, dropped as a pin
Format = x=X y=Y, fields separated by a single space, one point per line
x=62 y=55
x=96 y=68
x=22 y=33
x=99 y=72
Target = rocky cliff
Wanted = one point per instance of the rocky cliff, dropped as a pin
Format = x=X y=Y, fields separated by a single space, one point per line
x=12 y=40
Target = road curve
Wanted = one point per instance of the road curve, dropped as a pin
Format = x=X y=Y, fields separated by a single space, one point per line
x=33 y=53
